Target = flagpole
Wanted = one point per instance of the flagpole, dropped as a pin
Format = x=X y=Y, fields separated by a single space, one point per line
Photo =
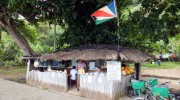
x=54 y=29
x=117 y=23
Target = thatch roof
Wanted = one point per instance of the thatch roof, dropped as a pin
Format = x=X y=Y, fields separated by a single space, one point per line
x=95 y=52
x=30 y=57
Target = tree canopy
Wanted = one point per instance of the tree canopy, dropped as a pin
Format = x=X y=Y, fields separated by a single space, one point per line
x=141 y=21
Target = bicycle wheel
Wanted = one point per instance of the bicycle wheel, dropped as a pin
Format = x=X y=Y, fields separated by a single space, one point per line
x=148 y=96
x=129 y=91
x=171 y=97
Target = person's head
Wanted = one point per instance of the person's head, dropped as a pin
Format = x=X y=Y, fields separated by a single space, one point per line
x=76 y=67
x=99 y=69
x=80 y=61
x=73 y=67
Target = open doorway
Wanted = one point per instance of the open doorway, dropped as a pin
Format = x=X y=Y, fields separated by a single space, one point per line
x=73 y=78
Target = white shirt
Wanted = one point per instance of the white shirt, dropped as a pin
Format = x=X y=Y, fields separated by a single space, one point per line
x=73 y=74
x=97 y=74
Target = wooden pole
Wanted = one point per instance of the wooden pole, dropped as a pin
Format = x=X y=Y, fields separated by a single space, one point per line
x=28 y=66
x=118 y=25
x=55 y=30
x=137 y=70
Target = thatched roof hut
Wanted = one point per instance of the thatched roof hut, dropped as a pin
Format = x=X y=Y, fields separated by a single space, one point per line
x=97 y=51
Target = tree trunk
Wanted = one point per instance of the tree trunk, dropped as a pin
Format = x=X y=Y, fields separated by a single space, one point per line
x=0 y=36
x=18 y=38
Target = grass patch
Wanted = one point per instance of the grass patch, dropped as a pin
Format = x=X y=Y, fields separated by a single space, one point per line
x=164 y=65
x=12 y=70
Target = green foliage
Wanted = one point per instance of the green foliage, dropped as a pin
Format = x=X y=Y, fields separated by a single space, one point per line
x=174 y=44
x=159 y=47
x=27 y=30
x=164 y=65
x=1 y=54
x=9 y=51
x=40 y=49
x=142 y=23
x=8 y=70
x=45 y=38
x=41 y=42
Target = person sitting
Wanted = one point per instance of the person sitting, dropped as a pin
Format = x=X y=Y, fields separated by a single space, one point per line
x=98 y=71
x=73 y=74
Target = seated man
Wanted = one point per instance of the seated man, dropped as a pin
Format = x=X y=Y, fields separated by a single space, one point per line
x=98 y=71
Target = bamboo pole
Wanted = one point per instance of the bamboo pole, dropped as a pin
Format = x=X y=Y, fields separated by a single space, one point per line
x=27 y=72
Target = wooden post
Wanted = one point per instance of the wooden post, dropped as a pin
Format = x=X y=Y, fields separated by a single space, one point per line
x=66 y=82
x=28 y=66
x=137 y=70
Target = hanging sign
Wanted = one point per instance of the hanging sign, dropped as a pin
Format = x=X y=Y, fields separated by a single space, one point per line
x=73 y=63
x=114 y=70
x=91 y=65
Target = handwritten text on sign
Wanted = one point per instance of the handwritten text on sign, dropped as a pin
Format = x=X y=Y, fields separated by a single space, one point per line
x=114 y=70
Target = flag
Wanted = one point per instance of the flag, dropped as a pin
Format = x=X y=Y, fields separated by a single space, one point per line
x=105 y=13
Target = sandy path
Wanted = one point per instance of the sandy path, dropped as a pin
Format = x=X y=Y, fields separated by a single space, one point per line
x=169 y=73
x=172 y=73
x=14 y=91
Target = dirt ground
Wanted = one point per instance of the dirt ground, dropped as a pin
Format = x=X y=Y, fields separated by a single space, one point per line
x=10 y=90
x=164 y=75
x=20 y=78
x=170 y=73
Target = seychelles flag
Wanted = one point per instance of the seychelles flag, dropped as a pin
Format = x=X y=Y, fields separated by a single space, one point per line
x=104 y=14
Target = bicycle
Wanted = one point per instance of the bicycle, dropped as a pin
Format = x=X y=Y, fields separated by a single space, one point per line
x=135 y=89
x=150 y=90
x=155 y=93
x=159 y=92
x=175 y=93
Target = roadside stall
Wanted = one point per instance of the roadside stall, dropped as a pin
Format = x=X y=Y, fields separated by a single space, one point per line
x=110 y=85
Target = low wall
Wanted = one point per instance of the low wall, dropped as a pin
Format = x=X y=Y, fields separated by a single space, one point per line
x=52 y=80
x=99 y=88
x=94 y=87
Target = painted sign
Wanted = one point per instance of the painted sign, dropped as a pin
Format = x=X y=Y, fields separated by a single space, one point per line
x=114 y=70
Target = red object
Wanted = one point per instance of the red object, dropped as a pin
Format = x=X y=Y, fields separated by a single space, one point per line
x=172 y=55
x=101 y=14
